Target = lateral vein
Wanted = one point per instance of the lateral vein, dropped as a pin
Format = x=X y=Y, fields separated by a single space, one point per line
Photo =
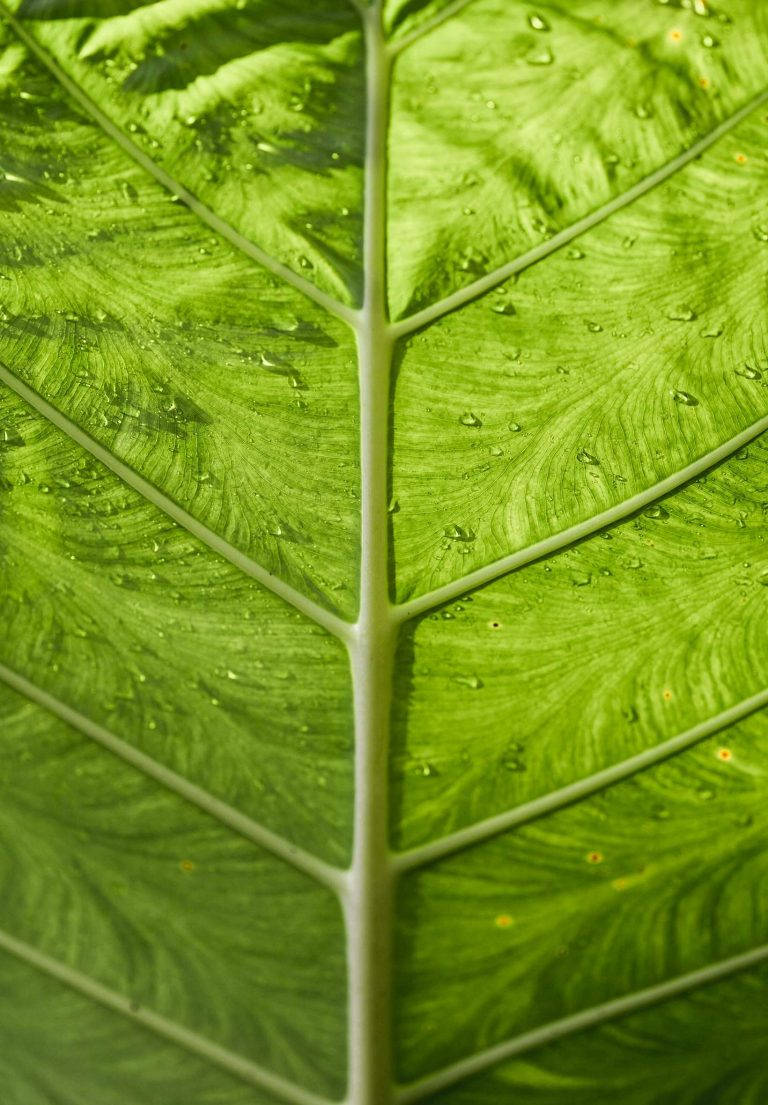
x=422 y=604
x=221 y=811
x=206 y=1049
x=203 y=212
x=574 y=792
x=428 y=25
x=311 y=609
x=463 y=295
x=577 y=1022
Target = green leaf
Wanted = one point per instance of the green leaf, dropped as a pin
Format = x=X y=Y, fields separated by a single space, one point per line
x=383 y=535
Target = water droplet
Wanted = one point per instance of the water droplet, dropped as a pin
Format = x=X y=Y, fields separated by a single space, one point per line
x=661 y=813
x=394 y=506
x=684 y=397
x=515 y=427
x=705 y=794
x=425 y=769
x=504 y=307
x=586 y=458
x=540 y=57
x=581 y=579
x=629 y=713
x=575 y=254
x=511 y=763
x=643 y=111
x=683 y=313
x=709 y=41
x=713 y=331
x=470 y=419
x=762 y=579
x=474 y=682
x=594 y=327
x=657 y=512
x=537 y=22
x=749 y=373
x=633 y=562
x=458 y=533
x=761 y=232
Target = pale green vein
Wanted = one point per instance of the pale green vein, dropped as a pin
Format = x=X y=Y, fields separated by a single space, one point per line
x=587 y=1018
x=574 y=792
x=311 y=609
x=318 y=869
x=428 y=25
x=235 y=1064
x=422 y=604
x=581 y=226
x=204 y=213
x=368 y=907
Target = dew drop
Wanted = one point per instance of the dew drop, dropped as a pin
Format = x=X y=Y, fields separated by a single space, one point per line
x=470 y=419
x=684 y=397
x=540 y=57
x=504 y=307
x=683 y=313
x=657 y=512
x=713 y=331
x=515 y=427
x=474 y=682
x=537 y=22
x=709 y=41
x=575 y=254
x=581 y=579
x=586 y=458
x=594 y=327
x=761 y=232
x=457 y=533
x=749 y=373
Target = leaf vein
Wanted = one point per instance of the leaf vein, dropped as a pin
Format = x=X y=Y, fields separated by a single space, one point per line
x=203 y=212
x=221 y=811
x=207 y=1049
x=423 y=604
x=332 y=623
x=538 y=253
x=577 y=1022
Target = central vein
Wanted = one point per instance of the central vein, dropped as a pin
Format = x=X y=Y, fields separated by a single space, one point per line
x=368 y=898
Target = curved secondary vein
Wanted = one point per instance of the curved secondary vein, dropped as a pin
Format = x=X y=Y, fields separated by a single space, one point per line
x=311 y=609
x=422 y=604
x=587 y=1018
x=463 y=295
x=318 y=869
x=428 y=25
x=574 y=792
x=206 y=1049
x=204 y=213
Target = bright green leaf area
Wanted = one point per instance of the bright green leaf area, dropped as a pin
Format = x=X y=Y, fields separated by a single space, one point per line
x=486 y=160
x=644 y=881
x=256 y=108
x=489 y=685
x=548 y=509
x=594 y=376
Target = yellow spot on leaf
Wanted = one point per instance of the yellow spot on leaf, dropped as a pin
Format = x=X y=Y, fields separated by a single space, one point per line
x=724 y=754
x=675 y=35
x=740 y=158
x=503 y=921
x=594 y=857
x=187 y=865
